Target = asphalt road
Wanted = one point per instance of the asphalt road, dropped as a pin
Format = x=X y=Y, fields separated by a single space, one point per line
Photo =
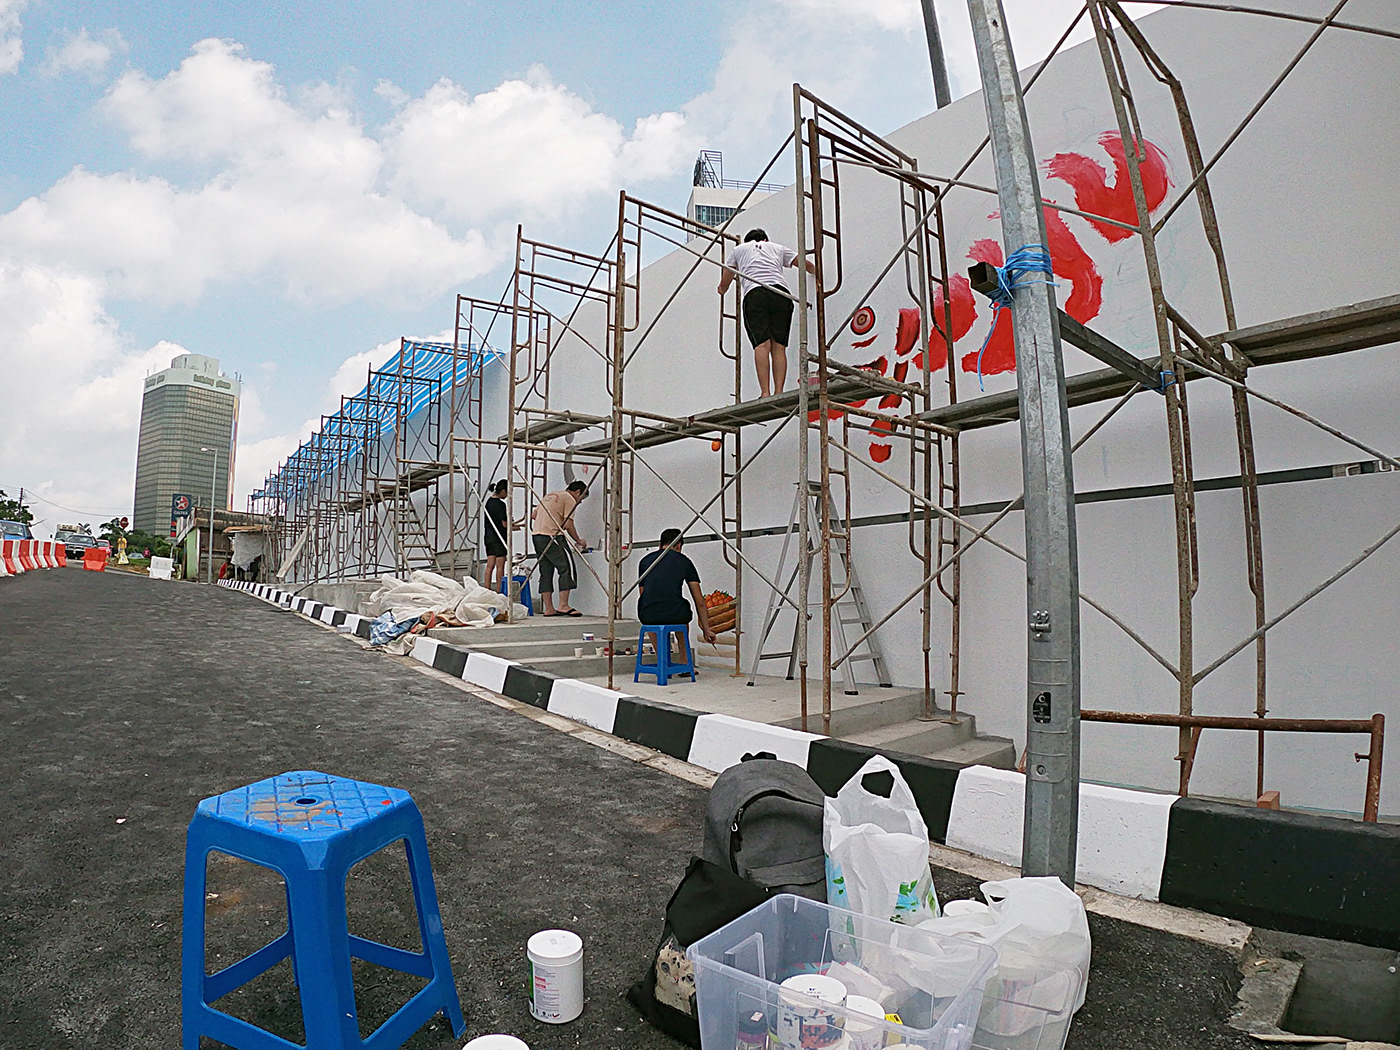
x=123 y=701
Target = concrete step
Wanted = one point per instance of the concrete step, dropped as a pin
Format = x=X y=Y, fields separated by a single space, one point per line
x=539 y=629
x=885 y=707
x=579 y=666
x=995 y=751
x=917 y=737
x=528 y=652
x=597 y=666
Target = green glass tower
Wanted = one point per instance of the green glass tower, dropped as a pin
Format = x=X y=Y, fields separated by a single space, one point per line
x=186 y=407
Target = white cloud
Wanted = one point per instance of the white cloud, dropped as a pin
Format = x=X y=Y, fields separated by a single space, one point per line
x=289 y=188
x=83 y=53
x=258 y=459
x=71 y=397
x=11 y=40
x=528 y=148
x=869 y=58
x=900 y=15
x=296 y=195
x=303 y=193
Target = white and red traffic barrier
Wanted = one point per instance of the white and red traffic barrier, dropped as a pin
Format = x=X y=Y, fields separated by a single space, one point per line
x=20 y=556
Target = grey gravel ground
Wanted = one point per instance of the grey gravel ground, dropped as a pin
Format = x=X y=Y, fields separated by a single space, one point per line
x=127 y=699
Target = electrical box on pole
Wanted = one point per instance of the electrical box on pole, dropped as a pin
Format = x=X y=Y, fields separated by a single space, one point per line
x=1052 y=562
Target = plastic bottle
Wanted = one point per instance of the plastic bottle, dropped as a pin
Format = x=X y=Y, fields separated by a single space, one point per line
x=753 y=1031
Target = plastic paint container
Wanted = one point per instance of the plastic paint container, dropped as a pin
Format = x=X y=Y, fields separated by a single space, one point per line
x=496 y=1042
x=864 y=1034
x=556 y=976
x=803 y=1025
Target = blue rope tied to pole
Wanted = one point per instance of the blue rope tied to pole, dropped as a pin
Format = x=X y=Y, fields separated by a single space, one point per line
x=1030 y=259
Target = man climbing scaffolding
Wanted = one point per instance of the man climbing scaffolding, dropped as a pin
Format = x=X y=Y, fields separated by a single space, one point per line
x=759 y=263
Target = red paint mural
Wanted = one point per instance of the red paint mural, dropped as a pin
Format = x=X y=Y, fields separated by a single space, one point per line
x=1093 y=192
x=1072 y=264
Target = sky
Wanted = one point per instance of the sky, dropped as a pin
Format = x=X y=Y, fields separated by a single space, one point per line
x=293 y=187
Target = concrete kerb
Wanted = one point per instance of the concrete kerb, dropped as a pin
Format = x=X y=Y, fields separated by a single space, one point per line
x=1320 y=876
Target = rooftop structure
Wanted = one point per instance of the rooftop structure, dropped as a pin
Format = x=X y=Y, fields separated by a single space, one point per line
x=714 y=200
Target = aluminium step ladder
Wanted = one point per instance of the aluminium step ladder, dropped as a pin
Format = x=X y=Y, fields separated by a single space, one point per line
x=849 y=611
x=411 y=537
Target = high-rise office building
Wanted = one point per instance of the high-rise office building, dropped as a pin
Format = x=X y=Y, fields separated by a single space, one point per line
x=188 y=406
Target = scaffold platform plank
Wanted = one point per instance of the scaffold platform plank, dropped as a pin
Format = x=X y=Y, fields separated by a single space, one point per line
x=561 y=424
x=841 y=388
x=1374 y=322
x=412 y=481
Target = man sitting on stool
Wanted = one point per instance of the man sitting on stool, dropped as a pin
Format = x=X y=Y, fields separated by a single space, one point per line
x=662 y=576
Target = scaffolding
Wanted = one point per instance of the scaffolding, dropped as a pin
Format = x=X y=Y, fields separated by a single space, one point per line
x=394 y=480
x=375 y=489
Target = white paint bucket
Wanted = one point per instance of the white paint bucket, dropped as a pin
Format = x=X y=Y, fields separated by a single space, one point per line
x=496 y=1042
x=556 y=976
x=862 y=1026
x=803 y=1025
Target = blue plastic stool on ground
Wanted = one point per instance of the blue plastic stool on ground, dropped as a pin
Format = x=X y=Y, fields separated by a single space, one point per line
x=664 y=668
x=311 y=828
x=524 y=582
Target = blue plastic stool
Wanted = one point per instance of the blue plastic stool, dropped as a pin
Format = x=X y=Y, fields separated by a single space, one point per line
x=664 y=668
x=524 y=582
x=311 y=828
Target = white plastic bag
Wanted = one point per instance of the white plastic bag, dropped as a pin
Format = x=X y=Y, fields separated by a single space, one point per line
x=1041 y=934
x=877 y=850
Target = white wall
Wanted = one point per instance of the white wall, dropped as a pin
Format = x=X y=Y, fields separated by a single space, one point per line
x=1310 y=219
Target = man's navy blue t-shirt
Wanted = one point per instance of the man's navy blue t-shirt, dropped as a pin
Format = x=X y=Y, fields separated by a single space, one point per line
x=663 y=588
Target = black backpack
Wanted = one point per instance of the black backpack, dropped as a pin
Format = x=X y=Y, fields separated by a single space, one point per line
x=764 y=823
x=763 y=835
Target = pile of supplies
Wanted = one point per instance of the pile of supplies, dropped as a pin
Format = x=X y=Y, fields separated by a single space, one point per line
x=812 y=923
x=427 y=599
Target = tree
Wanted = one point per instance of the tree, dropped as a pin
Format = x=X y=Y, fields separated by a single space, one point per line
x=140 y=540
x=14 y=510
x=112 y=531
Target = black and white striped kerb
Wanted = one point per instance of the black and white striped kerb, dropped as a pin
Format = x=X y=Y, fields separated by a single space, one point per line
x=350 y=623
x=1316 y=875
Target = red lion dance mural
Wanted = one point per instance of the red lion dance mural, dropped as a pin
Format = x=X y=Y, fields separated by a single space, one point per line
x=1093 y=192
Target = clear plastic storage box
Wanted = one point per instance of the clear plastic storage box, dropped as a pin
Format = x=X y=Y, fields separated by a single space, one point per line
x=1027 y=1007
x=932 y=983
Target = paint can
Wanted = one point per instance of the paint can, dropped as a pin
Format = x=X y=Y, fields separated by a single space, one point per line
x=861 y=1023
x=588 y=636
x=802 y=1024
x=556 y=976
x=496 y=1042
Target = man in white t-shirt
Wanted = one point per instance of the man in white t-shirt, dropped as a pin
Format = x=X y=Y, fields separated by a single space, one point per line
x=759 y=263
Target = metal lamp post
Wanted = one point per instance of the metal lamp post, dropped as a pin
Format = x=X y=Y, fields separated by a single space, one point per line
x=213 y=487
x=1050 y=836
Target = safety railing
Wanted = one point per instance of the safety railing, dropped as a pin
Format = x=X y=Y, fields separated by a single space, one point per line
x=1374 y=727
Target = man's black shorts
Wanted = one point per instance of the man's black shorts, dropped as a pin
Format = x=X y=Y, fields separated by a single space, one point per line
x=767 y=315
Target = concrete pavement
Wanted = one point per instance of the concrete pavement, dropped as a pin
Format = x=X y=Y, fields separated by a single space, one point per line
x=124 y=700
